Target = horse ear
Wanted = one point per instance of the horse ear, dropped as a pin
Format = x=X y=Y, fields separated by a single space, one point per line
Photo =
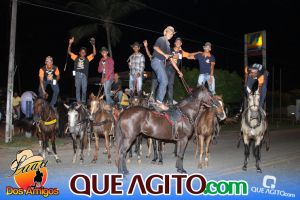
x=78 y=106
x=66 y=106
x=100 y=98
x=92 y=95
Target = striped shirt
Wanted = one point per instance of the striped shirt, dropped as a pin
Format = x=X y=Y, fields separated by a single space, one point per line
x=137 y=63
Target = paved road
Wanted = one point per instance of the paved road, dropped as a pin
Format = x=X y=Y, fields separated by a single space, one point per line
x=282 y=161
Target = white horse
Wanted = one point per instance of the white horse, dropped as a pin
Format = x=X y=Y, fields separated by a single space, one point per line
x=254 y=126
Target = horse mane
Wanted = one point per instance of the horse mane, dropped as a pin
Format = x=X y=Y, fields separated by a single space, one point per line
x=194 y=95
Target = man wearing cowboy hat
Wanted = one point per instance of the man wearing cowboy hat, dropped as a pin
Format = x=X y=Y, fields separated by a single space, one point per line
x=106 y=67
x=162 y=52
x=206 y=64
x=136 y=63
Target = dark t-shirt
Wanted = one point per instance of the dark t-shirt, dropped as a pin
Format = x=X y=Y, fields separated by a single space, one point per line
x=164 y=45
x=117 y=85
x=204 y=63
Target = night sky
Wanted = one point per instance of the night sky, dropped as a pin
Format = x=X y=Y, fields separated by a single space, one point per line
x=42 y=32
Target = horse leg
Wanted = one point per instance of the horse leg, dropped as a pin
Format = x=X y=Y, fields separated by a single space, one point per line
x=246 y=152
x=149 y=142
x=54 y=148
x=41 y=146
x=122 y=152
x=155 y=156
x=207 y=149
x=107 y=144
x=138 y=148
x=182 y=146
x=96 y=147
x=44 y=147
x=257 y=154
x=82 y=135
x=201 y=146
x=160 y=158
x=74 y=147
x=48 y=149
x=175 y=150
x=196 y=146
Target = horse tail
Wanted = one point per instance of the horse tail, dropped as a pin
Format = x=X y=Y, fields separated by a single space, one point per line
x=267 y=140
x=118 y=139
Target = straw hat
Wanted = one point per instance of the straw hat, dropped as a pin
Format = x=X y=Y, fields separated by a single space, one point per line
x=25 y=157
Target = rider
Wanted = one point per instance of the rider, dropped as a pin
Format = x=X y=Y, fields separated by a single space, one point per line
x=17 y=104
x=136 y=65
x=162 y=53
x=106 y=67
x=49 y=75
x=81 y=69
x=178 y=54
x=206 y=64
x=253 y=73
x=116 y=87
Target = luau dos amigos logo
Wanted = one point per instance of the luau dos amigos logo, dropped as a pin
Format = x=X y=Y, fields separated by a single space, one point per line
x=30 y=175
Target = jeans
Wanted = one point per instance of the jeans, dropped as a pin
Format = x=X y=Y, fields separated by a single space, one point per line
x=81 y=85
x=29 y=108
x=204 y=78
x=119 y=95
x=249 y=85
x=55 y=89
x=264 y=90
x=107 y=92
x=159 y=68
x=135 y=83
x=154 y=84
x=171 y=76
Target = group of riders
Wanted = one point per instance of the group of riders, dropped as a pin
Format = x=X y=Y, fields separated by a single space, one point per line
x=165 y=63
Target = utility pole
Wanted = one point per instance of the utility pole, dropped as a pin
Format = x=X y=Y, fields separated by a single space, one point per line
x=273 y=91
x=10 y=77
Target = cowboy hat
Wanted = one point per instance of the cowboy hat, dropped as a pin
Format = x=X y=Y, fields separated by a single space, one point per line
x=25 y=157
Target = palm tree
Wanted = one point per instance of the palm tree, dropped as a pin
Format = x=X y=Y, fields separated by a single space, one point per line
x=106 y=10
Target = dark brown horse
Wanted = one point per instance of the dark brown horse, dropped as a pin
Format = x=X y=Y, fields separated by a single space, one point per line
x=206 y=128
x=47 y=125
x=102 y=124
x=136 y=120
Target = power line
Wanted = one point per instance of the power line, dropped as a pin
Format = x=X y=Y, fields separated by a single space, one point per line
x=113 y=22
x=186 y=21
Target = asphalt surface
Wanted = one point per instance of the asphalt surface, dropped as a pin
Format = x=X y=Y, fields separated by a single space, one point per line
x=282 y=161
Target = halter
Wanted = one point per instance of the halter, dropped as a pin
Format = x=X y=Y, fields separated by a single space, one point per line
x=259 y=119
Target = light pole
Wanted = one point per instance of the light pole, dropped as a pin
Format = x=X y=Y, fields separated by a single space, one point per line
x=10 y=78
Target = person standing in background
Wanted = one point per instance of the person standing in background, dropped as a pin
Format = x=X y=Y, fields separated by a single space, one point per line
x=16 y=104
x=81 y=69
x=106 y=67
x=136 y=65
x=49 y=75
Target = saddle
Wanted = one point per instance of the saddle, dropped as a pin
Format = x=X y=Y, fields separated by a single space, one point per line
x=173 y=116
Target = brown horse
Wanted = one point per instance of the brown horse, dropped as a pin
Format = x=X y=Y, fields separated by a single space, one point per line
x=102 y=124
x=136 y=120
x=47 y=125
x=206 y=128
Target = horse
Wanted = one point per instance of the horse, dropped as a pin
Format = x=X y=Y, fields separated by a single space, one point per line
x=137 y=119
x=253 y=129
x=102 y=124
x=78 y=125
x=206 y=126
x=46 y=122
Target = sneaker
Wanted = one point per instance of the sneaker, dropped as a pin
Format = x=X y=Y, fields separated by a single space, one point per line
x=162 y=106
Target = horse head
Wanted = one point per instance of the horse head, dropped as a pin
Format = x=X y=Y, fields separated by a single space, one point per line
x=73 y=116
x=253 y=101
x=218 y=104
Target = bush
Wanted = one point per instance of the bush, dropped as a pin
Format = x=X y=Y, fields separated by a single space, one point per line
x=228 y=84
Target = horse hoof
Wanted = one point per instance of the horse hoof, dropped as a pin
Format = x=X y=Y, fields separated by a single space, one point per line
x=93 y=161
x=139 y=161
x=244 y=168
x=182 y=171
x=153 y=162
x=109 y=162
x=199 y=166
x=58 y=161
x=81 y=161
x=160 y=163
x=258 y=170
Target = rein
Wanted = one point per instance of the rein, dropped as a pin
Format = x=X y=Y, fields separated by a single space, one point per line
x=185 y=85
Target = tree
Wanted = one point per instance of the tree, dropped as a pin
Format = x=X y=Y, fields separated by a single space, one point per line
x=106 y=10
x=228 y=84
